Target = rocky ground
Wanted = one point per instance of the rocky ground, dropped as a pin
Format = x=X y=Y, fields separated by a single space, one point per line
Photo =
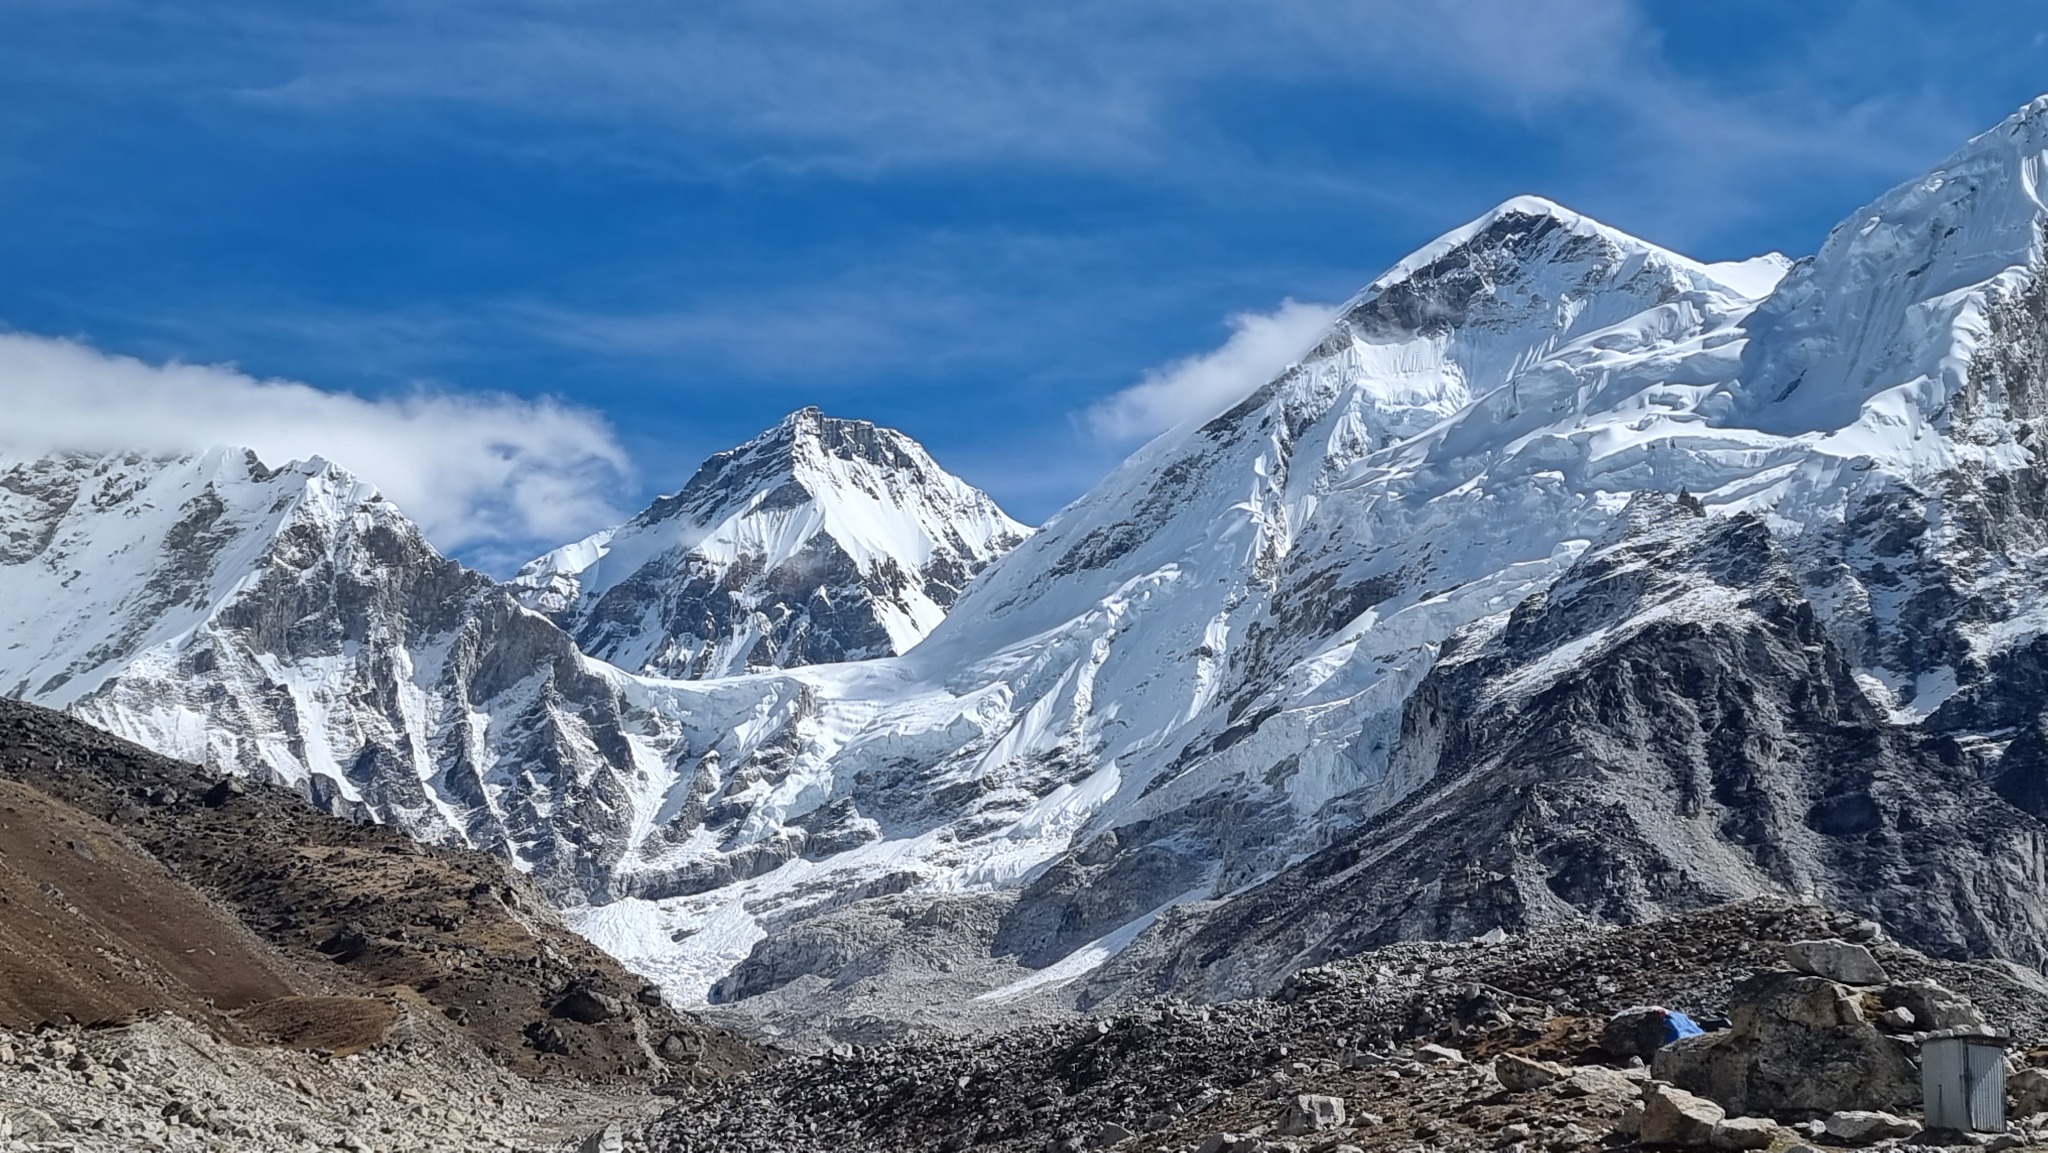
x=166 y=1083
x=1404 y=1048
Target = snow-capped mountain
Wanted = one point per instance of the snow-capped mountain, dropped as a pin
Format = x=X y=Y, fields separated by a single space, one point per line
x=1234 y=660
x=292 y=624
x=1565 y=577
x=821 y=540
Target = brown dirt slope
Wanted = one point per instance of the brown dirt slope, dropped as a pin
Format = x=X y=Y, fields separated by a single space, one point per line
x=93 y=929
x=360 y=909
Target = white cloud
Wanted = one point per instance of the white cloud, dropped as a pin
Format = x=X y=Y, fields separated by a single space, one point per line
x=486 y=473
x=1261 y=345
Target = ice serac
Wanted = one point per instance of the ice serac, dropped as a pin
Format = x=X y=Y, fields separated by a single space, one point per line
x=822 y=540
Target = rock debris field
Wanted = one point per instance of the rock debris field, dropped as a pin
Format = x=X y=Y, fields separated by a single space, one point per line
x=1417 y=1046
x=167 y=1084
x=1534 y=1043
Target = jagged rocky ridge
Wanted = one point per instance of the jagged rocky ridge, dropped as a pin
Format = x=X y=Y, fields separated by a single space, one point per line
x=290 y=624
x=1658 y=583
x=822 y=540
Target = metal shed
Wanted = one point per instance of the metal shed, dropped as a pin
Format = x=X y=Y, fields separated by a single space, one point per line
x=1962 y=1081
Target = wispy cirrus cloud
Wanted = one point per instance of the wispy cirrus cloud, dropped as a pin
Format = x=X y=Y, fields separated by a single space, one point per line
x=890 y=82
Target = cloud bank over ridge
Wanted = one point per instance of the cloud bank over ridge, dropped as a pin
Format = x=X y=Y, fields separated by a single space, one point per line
x=483 y=473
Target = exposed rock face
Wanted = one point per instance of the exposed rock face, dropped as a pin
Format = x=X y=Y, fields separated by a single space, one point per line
x=1797 y=1044
x=822 y=540
x=1679 y=758
x=292 y=625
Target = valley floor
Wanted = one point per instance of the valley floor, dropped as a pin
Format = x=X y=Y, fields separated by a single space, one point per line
x=1457 y=1046
x=1411 y=1039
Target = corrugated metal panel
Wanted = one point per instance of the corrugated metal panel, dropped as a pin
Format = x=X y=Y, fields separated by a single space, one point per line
x=1963 y=1081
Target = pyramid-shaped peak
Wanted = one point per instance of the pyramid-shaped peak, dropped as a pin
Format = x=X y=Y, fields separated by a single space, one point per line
x=819 y=540
x=809 y=436
x=1521 y=229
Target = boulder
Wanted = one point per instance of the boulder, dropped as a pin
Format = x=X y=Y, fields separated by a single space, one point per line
x=1867 y=1126
x=1796 y=1043
x=1229 y=1143
x=346 y=943
x=1934 y=1008
x=1745 y=1133
x=1311 y=1113
x=1672 y=1116
x=586 y=1005
x=1439 y=1055
x=1520 y=1074
x=1110 y=1136
x=545 y=1037
x=2028 y=1089
x=1836 y=960
x=1596 y=1081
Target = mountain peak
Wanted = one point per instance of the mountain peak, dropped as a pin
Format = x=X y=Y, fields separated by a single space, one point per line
x=802 y=443
x=1931 y=258
x=822 y=539
x=1515 y=224
x=1526 y=233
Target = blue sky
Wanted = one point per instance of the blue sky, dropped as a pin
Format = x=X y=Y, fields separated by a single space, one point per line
x=618 y=237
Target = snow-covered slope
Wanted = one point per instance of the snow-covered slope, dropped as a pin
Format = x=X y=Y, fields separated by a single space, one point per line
x=292 y=624
x=820 y=540
x=1202 y=674
x=1740 y=562
x=1197 y=669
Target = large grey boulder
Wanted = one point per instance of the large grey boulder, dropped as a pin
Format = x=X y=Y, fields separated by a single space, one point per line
x=1867 y=1126
x=2028 y=1089
x=1933 y=1007
x=1796 y=1043
x=1672 y=1116
x=1311 y=1113
x=1836 y=960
